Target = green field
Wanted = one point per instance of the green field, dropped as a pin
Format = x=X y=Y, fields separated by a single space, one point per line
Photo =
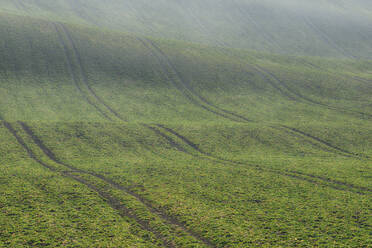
x=116 y=136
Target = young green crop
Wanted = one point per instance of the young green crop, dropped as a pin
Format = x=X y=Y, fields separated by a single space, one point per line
x=113 y=140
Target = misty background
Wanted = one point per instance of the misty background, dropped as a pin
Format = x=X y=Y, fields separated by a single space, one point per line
x=336 y=28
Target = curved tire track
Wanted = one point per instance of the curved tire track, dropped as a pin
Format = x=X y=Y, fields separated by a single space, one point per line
x=309 y=100
x=184 y=87
x=110 y=200
x=289 y=173
x=241 y=118
x=83 y=73
x=189 y=93
x=325 y=142
x=162 y=215
x=74 y=77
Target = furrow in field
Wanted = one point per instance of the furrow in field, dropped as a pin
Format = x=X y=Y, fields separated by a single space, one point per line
x=74 y=77
x=184 y=87
x=161 y=214
x=84 y=75
x=290 y=173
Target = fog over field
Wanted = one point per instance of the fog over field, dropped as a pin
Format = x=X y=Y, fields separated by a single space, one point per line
x=185 y=123
x=337 y=28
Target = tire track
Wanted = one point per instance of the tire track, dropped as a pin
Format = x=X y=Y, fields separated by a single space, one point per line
x=74 y=77
x=184 y=87
x=356 y=78
x=23 y=145
x=189 y=93
x=309 y=100
x=180 y=148
x=166 y=137
x=268 y=77
x=162 y=215
x=309 y=141
x=83 y=73
x=123 y=211
x=349 y=77
x=263 y=72
x=324 y=142
x=192 y=99
x=289 y=173
x=110 y=200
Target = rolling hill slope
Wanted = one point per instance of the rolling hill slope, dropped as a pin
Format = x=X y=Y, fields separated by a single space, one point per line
x=323 y=27
x=118 y=139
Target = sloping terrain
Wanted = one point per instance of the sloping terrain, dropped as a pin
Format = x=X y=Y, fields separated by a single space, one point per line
x=112 y=139
x=322 y=27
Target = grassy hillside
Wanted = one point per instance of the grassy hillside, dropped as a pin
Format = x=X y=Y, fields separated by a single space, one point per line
x=112 y=139
x=323 y=27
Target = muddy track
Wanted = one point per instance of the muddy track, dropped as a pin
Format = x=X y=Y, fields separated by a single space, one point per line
x=184 y=87
x=84 y=75
x=162 y=215
x=74 y=77
x=289 y=173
